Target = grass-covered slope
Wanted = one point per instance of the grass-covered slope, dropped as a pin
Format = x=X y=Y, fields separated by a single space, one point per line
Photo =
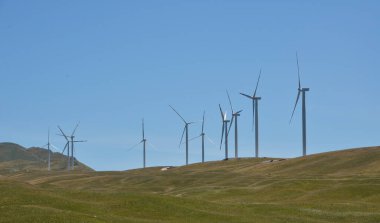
x=342 y=186
x=15 y=158
x=11 y=151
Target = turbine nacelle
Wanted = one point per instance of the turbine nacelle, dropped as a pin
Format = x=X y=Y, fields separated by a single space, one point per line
x=225 y=117
x=237 y=113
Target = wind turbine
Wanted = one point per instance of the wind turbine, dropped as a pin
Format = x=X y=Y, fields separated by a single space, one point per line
x=303 y=91
x=224 y=132
x=49 y=152
x=48 y=148
x=185 y=129
x=255 y=111
x=143 y=141
x=67 y=145
x=235 y=116
x=70 y=140
x=203 y=135
x=72 y=145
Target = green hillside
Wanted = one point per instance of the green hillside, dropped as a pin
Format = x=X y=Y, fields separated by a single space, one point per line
x=341 y=186
x=11 y=151
x=15 y=158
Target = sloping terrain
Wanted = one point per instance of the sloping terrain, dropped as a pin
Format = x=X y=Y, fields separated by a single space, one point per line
x=15 y=158
x=11 y=151
x=341 y=186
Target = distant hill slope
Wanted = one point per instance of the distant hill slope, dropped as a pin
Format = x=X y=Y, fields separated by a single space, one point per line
x=11 y=151
x=15 y=158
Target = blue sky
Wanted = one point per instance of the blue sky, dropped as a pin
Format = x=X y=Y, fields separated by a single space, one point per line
x=108 y=64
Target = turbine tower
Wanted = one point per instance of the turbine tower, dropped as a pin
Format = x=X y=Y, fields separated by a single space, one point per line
x=70 y=140
x=303 y=91
x=72 y=145
x=203 y=135
x=224 y=132
x=48 y=145
x=234 y=118
x=48 y=148
x=203 y=138
x=185 y=129
x=143 y=141
x=66 y=146
x=255 y=111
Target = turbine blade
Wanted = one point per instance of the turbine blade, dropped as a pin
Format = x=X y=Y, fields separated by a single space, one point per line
x=250 y=97
x=62 y=132
x=80 y=141
x=298 y=69
x=183 y=133
x=143 y=130
x=134 y=146
x=221 y=140
x=257 y=84
x=229 y=128
x=229 y=100
x=203 y=121
x=196 y=137
x=75 y=129
x=295 y=105
x=178 y=114
x=210 y=139
x=221 y=112
x=153 y=146
x=239 y=112
x=54 y=147
x=64 y=149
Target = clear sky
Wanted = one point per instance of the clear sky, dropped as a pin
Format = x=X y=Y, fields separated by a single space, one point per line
x=108 y=64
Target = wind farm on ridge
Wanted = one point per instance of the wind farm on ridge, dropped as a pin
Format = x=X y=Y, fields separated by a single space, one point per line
x=228 y=123
x=189 y=111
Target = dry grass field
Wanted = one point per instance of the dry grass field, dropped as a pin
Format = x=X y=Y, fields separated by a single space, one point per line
x=341 y=186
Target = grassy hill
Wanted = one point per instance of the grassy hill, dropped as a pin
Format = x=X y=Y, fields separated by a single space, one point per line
x=15 y=158
x=11 y=151
x=342 y=186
